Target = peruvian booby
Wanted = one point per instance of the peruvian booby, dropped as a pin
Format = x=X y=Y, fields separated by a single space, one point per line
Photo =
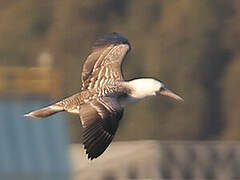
x=104 y=94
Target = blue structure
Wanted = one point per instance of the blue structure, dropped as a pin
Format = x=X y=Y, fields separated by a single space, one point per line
x=31 y=148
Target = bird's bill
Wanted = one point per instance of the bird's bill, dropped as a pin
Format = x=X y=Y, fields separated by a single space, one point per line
x=167 y=92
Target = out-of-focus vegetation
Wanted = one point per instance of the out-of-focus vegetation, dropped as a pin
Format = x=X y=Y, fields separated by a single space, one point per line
x=193 y=46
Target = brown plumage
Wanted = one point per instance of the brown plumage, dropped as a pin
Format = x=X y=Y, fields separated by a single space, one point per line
x=97 y=103
x=104 y=94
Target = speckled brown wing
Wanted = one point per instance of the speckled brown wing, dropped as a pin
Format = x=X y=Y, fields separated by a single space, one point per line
x=103 y=65
x=99 y=118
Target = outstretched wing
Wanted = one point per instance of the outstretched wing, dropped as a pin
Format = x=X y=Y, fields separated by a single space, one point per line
x=99 y=119
x=103 y=65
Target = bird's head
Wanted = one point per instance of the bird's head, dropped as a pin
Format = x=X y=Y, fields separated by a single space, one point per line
x=144 y=87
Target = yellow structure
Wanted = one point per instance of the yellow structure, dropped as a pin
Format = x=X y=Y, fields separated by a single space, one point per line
x=25 y=80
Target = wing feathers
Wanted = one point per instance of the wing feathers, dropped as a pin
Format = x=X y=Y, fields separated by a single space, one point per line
x=100 y=122
x=96 y=140
x=100 y=146
x=88 y=114
x=107 y=56
x=93 y=62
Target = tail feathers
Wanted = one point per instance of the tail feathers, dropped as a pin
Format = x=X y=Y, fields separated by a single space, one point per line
x=45 y=112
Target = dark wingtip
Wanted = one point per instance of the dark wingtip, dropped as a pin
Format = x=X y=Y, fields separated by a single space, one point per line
x=89 y=155
x=112 y=38
x=96 y=144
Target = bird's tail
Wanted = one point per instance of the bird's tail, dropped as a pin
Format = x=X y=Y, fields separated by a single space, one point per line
x=45 y=112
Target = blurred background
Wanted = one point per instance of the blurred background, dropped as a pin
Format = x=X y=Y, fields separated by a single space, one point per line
x=192 y=46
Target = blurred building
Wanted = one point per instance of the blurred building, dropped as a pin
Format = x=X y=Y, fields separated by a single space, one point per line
x=40 y=80
x=145 y=160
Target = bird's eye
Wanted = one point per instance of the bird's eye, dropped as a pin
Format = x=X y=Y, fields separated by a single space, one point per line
x=162 y=88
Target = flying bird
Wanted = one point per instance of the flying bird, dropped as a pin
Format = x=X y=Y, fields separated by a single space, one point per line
x=104 y=94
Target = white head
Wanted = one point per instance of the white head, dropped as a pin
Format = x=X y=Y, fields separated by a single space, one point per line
x=144 y=87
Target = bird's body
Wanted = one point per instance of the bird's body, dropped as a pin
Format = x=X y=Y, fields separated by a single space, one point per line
x=104 y=94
